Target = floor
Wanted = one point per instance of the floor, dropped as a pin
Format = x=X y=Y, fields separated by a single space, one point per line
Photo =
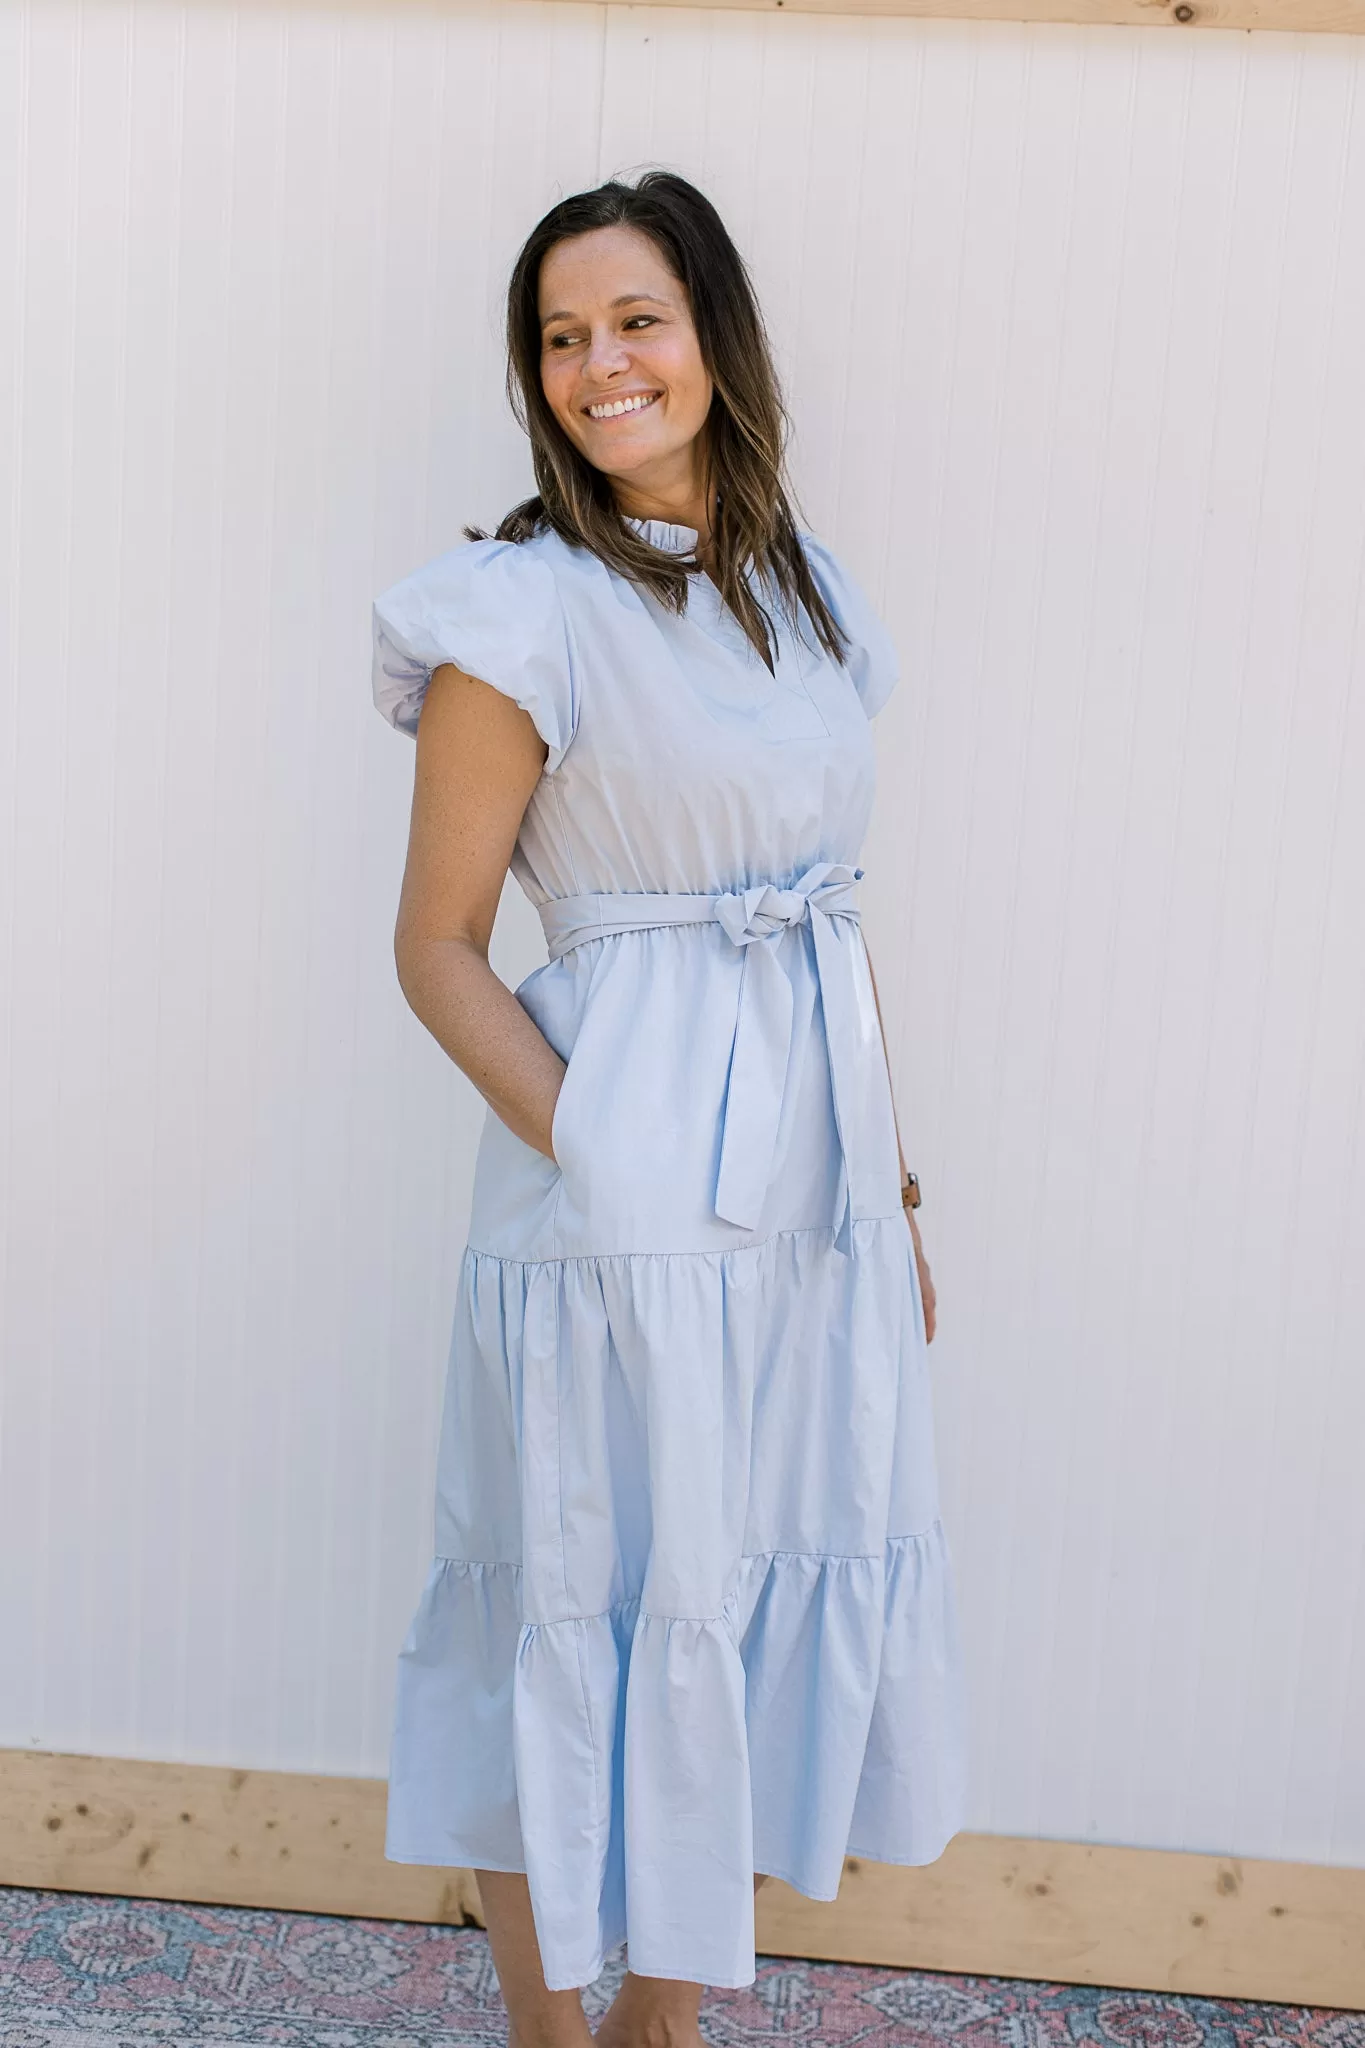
x=78 y=1972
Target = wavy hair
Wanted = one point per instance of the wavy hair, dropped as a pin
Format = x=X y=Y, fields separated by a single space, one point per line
x=755 y=545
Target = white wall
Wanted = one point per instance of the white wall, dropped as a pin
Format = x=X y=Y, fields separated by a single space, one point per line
x=1073 y=322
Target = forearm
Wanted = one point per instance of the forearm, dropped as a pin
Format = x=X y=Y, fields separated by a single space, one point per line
x=478 y=1021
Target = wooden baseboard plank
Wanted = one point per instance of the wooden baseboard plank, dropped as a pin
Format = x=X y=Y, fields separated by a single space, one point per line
x=218 y=1837
x=1084 y=1913
x=993 y=1905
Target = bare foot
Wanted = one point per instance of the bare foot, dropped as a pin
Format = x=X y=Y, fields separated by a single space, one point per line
x=538 y=2018
x=652 y=2012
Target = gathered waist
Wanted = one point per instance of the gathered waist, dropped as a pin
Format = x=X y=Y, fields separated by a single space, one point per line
x=746 y=916
x=756 y=920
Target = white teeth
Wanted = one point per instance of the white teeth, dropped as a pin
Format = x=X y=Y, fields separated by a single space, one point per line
x=613 y=408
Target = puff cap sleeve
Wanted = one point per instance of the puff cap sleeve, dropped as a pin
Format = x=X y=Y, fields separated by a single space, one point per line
x=493 y=609
x=872 y=662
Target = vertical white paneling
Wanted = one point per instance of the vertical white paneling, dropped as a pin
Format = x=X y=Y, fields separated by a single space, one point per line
x=1065 y=317
x=44 y=347
x=1071 y=323
x=260 y=364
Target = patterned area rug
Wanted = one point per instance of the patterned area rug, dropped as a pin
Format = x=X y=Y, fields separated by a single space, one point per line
x=80 y=1972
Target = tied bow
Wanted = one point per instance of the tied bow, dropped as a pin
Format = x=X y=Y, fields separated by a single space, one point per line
x=757 y=920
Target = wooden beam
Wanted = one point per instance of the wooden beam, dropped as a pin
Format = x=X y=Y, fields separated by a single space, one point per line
x=994 y=1905
x=1087 y=1913
x=1320 y=17
x=221 y=1837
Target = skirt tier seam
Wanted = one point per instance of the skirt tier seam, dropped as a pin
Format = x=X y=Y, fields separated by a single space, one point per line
x=821 y=1557
x=933 y=1528
x=759 y=1244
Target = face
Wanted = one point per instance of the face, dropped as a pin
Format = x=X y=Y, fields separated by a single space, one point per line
x=620 y=363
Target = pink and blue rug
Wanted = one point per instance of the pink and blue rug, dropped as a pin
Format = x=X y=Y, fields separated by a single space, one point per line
x=79 y=1972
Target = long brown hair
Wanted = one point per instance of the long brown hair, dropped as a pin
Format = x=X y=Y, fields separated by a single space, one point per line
x=755 y=541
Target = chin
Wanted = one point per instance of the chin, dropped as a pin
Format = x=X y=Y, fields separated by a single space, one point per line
x=626 y=466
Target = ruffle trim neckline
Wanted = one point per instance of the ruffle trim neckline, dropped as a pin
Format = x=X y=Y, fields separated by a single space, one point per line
x=668 y=539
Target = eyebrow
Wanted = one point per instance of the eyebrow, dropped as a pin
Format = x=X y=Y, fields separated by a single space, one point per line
x=626 y=299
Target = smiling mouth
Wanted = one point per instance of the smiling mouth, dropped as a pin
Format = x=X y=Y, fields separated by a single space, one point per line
x=621 y=408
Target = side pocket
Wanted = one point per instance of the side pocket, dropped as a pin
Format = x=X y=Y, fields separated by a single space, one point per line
x=557 y=998
x=564 y=1121
x=557 y=1119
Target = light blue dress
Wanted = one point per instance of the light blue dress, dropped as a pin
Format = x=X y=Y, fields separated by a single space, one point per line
x=691 y=1614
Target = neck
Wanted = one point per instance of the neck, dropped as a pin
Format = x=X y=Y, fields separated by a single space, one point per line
x=683 y=498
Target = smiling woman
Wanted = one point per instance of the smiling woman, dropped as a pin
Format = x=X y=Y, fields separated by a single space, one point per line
x=691 y=1618
x=610 y=361
x=634 y=294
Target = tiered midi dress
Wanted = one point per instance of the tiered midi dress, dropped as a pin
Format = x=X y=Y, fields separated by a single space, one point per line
x=691 y=1613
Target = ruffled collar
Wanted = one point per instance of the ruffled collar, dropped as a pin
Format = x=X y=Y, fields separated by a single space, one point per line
x=669 y=540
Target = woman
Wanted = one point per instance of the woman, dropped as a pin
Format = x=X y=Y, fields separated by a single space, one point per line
x=691 y=1616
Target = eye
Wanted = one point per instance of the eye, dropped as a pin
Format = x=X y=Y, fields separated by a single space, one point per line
x=642 y=320
x=562 y=341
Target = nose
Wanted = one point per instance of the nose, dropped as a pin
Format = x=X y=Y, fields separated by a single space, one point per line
x=607 y=356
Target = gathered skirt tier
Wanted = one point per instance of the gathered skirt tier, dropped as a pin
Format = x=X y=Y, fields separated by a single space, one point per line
x=691 y=1614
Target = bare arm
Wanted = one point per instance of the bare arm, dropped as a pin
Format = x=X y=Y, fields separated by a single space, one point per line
x=479 y=758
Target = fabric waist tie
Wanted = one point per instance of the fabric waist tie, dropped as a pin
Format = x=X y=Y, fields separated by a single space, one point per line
x=756 y=920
